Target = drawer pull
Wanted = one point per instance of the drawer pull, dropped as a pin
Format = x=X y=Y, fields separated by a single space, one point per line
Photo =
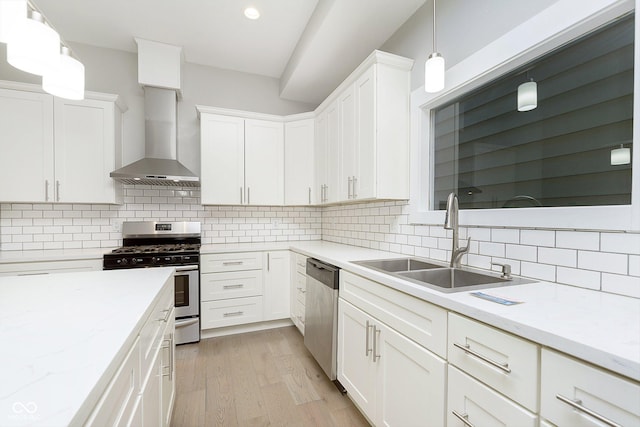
x=166 y=316
x=376 y=337
x=367 y=350
x=502 y=366
x=463 y=417
x=240 y=285
x=302 y=290
x=232 y=262
x=577 y=404
x=233 y=313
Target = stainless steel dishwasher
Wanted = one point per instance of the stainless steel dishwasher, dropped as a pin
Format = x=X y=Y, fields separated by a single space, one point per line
x=321 y=315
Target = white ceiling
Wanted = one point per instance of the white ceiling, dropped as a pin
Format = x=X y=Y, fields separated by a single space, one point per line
x=310 y=44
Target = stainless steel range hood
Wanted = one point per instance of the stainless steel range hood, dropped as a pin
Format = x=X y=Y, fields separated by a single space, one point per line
x=159 y=165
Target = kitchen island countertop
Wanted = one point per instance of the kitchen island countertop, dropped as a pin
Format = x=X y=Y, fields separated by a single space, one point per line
x=64 y=336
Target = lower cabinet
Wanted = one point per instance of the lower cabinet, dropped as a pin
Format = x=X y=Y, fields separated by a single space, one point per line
x=470 y=402
x=393 y=380
x=298 y=289
x=276 y=285
x=574 y=393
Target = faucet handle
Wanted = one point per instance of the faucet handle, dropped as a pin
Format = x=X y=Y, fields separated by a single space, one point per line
x=466 y=248
x=506 y=269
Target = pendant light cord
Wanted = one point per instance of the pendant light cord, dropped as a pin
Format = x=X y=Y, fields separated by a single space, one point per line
x=434 y=25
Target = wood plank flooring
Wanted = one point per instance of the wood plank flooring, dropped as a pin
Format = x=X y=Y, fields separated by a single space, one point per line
x=265 y=378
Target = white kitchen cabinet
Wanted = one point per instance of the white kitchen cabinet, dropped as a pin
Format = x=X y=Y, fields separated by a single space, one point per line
x=49 y=267
x=298 y=289
x=242 y=161
x=320 y=153
x=471 y=403
x=502 y=361
x=168 y=368
x=299 y=163
x=392 y=379
x=59 y=150
x=574 y=393
x=371 y=130
x=333 y=154
x=276 y=285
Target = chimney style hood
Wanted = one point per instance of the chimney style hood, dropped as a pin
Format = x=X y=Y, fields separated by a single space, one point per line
x=159 y=165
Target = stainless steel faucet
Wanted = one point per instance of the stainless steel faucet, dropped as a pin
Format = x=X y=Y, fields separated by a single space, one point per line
x=451 y=223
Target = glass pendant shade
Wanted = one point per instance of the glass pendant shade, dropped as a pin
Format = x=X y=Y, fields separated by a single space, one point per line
x=527 y=96
x=620 y=156
x=434 y=73
x=34 y=47
x=67 y=79
x=12 y=13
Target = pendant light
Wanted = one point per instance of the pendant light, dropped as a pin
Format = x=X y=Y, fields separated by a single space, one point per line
x=12 y=13
x=527 y=96
x=34 y=46
x=67 y=79
x=434 y=67
x=620 y=156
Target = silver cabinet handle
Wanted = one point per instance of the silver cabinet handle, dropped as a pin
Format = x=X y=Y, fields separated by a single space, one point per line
x=241 y=194
x=326 y=192
x=349 y=183
x=238 y=286
x=57 y=191
x=234 y=313
x=248 y=195
x=232 y=262
x=577 y=404
x=166 y=316
x=376 y=336
x=268 y=261
x=302 y=290
x=354 y=187
x=502 y=366
x=169 y=346
x=309 y=195
x=46 y=190
x=463 y=417
x=367 y=350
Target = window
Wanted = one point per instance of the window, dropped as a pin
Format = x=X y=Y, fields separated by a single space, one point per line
x=558 y=154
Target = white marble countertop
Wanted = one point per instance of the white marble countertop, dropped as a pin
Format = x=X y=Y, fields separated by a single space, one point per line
x=597 y=327
x=63 y=337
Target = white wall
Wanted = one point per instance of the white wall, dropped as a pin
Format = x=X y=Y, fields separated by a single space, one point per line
x=462 y=27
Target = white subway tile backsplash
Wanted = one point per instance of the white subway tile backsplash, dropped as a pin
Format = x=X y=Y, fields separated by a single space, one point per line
x=619 y=284
x=603 y=261
x=538 y=237
x=563 y=257
x=492 y=249
x=586 y=240
x=522 y=252
x=505 y=235
x=538 y=271
x=634 y=265
x=577 y=277
x=626 y=243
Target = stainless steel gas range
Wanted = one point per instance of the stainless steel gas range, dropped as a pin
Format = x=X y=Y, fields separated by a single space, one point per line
x=149 y=244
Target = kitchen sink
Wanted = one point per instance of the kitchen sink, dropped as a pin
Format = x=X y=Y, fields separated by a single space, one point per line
x=438 y=276
x=397 y=264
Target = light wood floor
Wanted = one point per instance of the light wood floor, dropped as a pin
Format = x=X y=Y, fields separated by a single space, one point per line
x=265 y=378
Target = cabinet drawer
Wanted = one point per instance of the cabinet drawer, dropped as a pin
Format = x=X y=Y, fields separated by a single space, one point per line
x=229 y=312
x=481 y=406
x=565 y=380
x=301 y=287
x=117 y=404
x=418 y=320
x=218 y=263
x=301 y=263
x=234 y=284
x=151 y=334
x=505 y=362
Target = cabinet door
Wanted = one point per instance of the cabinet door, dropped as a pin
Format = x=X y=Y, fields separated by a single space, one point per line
x=222 y=160
x=152 y=396
x=26 y=146
x=348 y=140
x=84 y=151
x=277 y=285
x=264 y=162
x=411 y=382
x=356 y=371
x=298 y=163
x=333 y=154
x=479 y=405
x=320 y=157
x=364 y=187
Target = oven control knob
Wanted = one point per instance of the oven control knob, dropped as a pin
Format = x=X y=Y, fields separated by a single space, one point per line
x=123 y=261
x=134 y=261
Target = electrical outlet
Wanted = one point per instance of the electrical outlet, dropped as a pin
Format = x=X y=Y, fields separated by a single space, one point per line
x=276 y=222
x=117 y=227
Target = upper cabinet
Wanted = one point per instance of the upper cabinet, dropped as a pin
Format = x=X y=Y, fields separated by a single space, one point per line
x=372 y=130
x=299 y=153
x=242 y=160
x=57 y=150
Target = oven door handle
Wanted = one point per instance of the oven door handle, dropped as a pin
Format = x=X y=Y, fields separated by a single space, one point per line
x=181 y=323
x=186 y=268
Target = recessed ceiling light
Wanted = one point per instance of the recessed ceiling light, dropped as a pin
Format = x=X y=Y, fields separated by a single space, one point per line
x=251 y=13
